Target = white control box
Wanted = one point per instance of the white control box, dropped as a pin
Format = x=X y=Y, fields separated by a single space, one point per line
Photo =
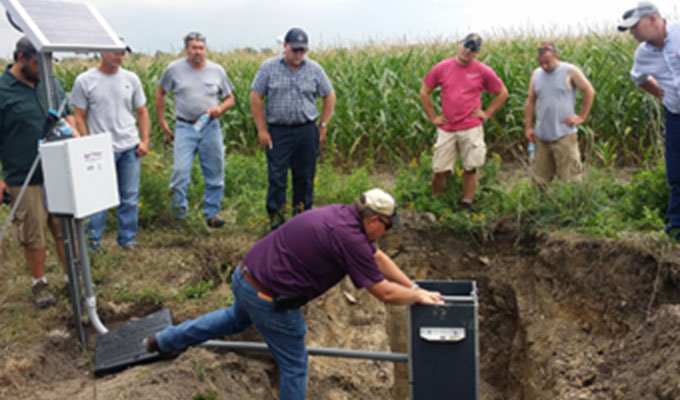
x=80 y=175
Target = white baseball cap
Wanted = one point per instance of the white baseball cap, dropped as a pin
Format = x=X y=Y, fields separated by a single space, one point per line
x=382 y=203
x=632 y=16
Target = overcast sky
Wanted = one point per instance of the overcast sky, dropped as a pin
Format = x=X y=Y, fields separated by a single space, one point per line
x=151 y=25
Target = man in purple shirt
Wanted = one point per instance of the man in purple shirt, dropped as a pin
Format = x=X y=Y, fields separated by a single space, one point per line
x=294 y=264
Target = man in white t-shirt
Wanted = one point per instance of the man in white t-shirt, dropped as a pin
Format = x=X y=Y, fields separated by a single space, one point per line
x=107 y=99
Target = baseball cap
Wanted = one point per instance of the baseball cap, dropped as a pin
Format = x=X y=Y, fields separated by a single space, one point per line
x=632 y=16
x=382 y=203
x=473 y=42
x=296 y=38
x=25 y=47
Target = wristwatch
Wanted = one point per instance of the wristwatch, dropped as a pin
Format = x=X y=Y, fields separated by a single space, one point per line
x=323 y=124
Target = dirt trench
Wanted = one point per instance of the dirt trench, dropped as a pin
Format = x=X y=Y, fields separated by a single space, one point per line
x=561 y=317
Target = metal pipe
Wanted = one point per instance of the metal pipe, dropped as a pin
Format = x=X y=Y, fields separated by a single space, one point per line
x=454 y=299
x=312 y=351
x=90 y=300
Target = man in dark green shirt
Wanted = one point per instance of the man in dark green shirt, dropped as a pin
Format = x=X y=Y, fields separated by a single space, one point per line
x=23 y=109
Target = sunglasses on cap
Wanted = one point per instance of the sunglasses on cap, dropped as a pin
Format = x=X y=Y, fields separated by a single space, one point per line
x=471 y=45
x=195 y=36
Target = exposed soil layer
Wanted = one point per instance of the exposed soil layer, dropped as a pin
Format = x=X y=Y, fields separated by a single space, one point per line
x=561 y=317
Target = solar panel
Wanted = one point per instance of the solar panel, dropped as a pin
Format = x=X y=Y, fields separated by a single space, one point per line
x=58 y=25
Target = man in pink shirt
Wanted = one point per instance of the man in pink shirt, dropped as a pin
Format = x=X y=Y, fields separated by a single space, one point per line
x=459 y=128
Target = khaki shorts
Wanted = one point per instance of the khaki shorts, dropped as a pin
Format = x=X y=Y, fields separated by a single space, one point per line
x=561 y=158
x=468 y=143
x=31 y=219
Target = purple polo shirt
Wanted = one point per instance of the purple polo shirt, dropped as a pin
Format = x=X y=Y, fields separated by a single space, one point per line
x=313 y=251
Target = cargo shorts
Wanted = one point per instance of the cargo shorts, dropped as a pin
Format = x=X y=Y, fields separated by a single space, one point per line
x=468 y=143
x=31 y=219
x=560 y=157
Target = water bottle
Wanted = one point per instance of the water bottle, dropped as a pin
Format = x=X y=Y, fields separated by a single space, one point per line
x=530 y=152
x=200 y=123
x=61 y=127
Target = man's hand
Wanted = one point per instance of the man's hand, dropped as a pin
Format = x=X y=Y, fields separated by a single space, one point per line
x=574 y=120
x=142 y=149
x=428 y=298
x=530 y=134
x=214 y=111
x=265 y=139
x=479 y=113
x=440 y=120
x=166 y=131
x=3 y=187
x=322 y=134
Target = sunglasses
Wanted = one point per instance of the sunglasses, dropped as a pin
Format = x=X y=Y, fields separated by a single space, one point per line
x=195 y=36
x=471 y=45
x=302 y=50
x=388 y=223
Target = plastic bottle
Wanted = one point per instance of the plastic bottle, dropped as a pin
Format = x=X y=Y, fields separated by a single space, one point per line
x=530 y=152
x=200 y=123
x=61 y=127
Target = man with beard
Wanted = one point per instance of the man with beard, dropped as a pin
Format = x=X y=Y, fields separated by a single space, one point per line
x=198 y=84
x=23 y=109
x=290 y=82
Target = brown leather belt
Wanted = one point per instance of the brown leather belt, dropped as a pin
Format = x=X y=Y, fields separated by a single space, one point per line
x=268 y=294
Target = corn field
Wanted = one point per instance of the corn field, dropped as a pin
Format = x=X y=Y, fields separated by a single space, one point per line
x=378 y=117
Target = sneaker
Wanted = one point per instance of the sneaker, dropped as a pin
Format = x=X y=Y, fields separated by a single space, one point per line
x=150 y=343
x=464 y=205
x=42 y=295
x=131 y=247
x=215 y=222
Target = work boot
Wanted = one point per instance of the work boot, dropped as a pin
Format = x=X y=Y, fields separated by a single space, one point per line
x=276 y=219
x=215 y=222
x=42 y=295
x=151 y=345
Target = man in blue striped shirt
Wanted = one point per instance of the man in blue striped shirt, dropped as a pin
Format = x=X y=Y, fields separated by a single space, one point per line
x=656 y=69
x=290 y=83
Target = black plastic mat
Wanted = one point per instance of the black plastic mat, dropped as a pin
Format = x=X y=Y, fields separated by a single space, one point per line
x=122 y=347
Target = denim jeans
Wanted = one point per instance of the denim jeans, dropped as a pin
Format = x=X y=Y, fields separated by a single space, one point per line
x=210 y=147
x=296 y=148
x=284 y=332
x=673 y=170
x=127 y=170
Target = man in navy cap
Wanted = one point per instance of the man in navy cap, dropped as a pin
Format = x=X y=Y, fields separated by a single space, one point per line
x=459 y=128
x=295 y=264
x=291 y=128
x=657 y=71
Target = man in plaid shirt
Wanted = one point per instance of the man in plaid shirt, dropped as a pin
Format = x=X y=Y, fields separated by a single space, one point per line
x=290 y=83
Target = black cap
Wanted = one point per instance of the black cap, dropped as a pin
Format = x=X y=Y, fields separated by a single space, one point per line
x=296 y=38
x=473 y=42
x=25 y=47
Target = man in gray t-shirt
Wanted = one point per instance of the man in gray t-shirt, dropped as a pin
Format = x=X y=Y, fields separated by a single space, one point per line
x=198 y=85
x=107 y=99
x=552 y=95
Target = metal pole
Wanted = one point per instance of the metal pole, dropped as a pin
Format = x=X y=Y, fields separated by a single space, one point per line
x=90 y=300
x=73 y=281
x=313 y=351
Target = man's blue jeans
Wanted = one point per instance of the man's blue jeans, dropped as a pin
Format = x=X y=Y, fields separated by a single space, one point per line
x=673 y=171
x=127 y=170
x=284 y=332
x=296 y=148
x=209 y=145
